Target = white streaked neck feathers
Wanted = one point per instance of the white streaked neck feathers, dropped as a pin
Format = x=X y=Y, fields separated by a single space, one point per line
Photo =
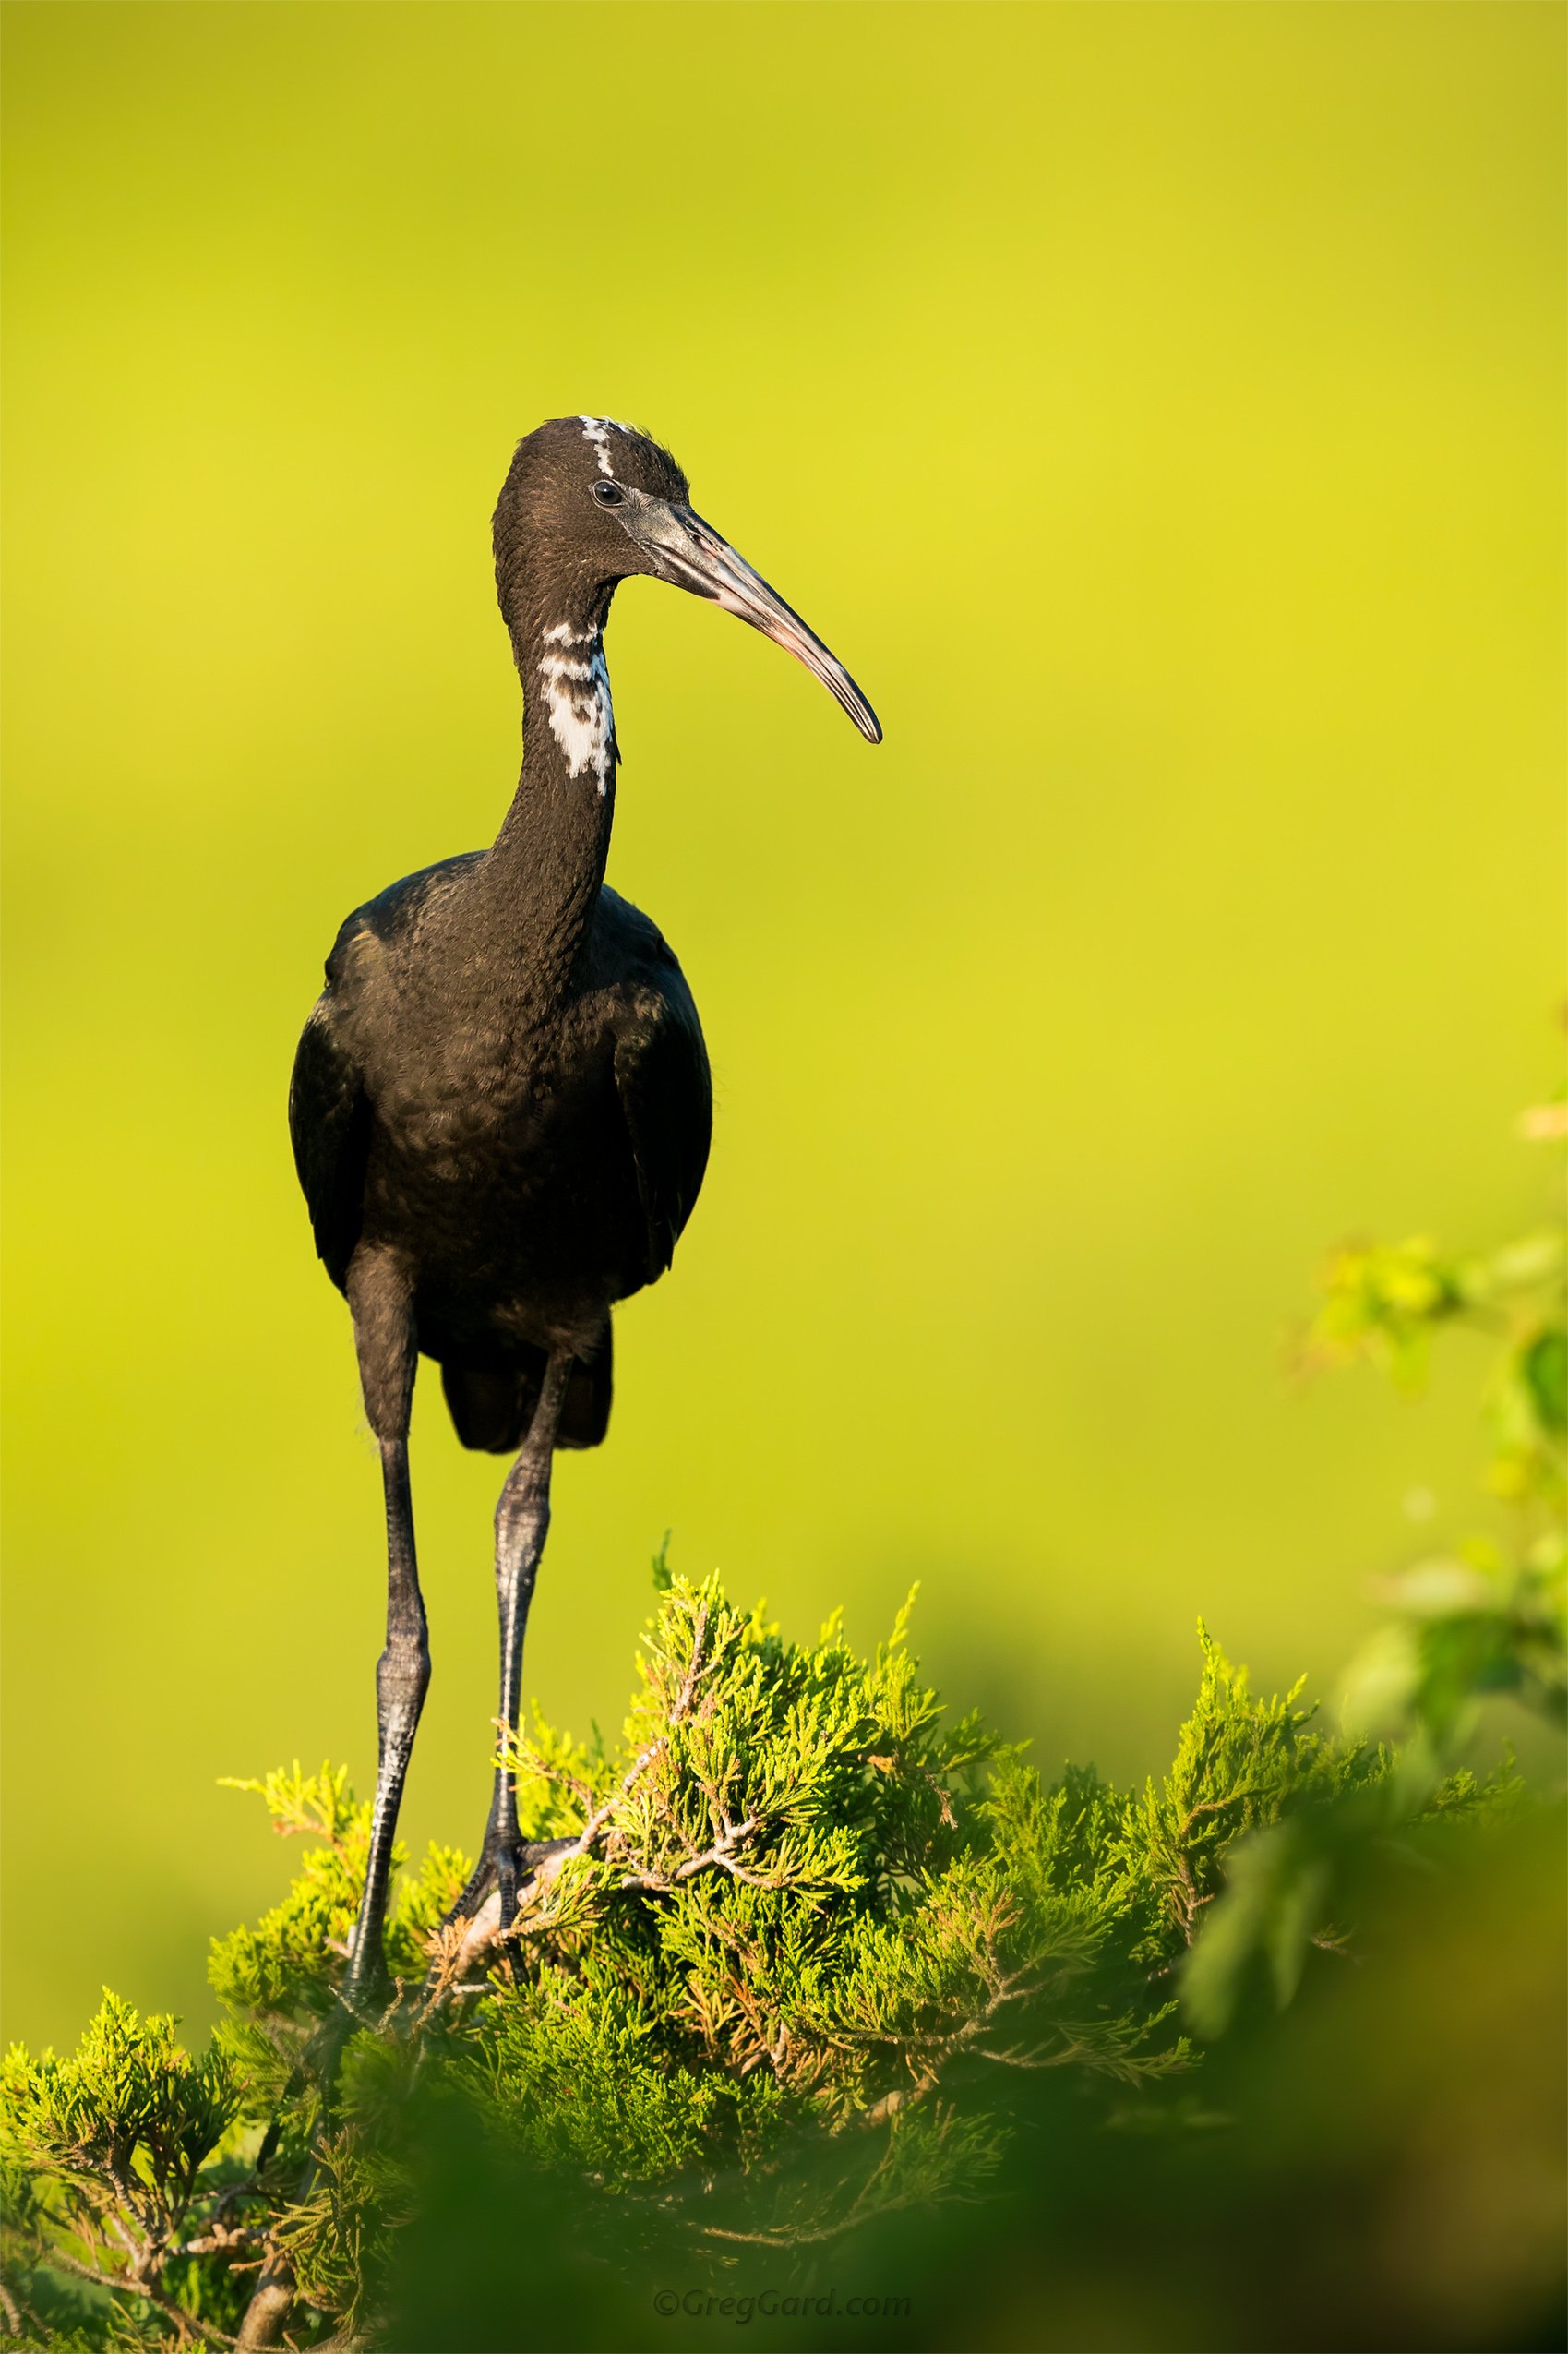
x=577 y=700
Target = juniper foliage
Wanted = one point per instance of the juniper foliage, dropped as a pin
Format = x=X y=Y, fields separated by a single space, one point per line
x=807 y=1932
x=802 y=1917
x=1485 y=1619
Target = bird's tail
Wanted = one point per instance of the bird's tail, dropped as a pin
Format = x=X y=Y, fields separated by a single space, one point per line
x=491 y=1405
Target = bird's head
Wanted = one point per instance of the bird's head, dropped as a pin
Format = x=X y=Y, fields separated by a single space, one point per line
x=588 y=502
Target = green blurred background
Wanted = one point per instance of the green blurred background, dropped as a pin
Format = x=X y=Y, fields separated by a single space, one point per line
x=1159 y=409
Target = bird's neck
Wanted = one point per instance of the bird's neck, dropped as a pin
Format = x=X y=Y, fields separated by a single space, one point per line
x=547 y=862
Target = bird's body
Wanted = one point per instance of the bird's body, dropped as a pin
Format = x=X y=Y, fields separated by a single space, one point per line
x=500 y=1107
x=532 y=1158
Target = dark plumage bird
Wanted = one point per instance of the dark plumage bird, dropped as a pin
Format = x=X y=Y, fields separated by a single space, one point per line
x=500 y=1106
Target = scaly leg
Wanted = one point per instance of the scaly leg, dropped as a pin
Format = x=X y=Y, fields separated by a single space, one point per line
x=381 y=1299
x=384 y=1334
x=523 y=1519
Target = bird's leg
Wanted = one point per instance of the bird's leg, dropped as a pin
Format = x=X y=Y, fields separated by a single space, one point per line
x=402 y=1675
x=522 y=1518
x=383 y=1333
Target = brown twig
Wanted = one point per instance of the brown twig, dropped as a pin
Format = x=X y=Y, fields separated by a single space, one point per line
x=270 y=2305
x=221 y=2237
x=600 y=1814
x=58 y=2261
x=688 y=1691
x=722 y=1854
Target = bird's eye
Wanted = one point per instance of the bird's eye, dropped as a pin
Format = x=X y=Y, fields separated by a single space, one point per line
x=609 y=494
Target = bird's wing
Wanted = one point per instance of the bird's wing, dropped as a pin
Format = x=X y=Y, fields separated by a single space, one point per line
x=329 y=1109
x=666 y=1097
x=329 y=1123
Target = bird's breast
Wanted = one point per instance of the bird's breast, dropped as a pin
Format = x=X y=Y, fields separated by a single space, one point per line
x=512 y=1188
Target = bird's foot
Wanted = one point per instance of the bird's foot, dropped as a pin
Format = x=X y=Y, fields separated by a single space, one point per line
x=367 y=1991
x=367 y=1996
x=363 y=1999
x=506 y=1864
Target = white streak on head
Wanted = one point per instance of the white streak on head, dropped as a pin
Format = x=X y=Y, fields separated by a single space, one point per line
x=576 y=701
x=596 y=431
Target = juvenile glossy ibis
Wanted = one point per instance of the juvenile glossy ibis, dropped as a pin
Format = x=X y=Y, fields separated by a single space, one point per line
x=500 y=1106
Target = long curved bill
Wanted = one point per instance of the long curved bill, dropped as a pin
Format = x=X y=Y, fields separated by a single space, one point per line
x=690 y=553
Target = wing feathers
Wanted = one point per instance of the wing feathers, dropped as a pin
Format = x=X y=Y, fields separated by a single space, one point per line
x=330 y=1125
x=666 y=1099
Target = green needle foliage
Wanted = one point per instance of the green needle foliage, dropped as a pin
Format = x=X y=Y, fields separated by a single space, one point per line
x=1488 y=1619
x=804 y=1940
x=802 y=1916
